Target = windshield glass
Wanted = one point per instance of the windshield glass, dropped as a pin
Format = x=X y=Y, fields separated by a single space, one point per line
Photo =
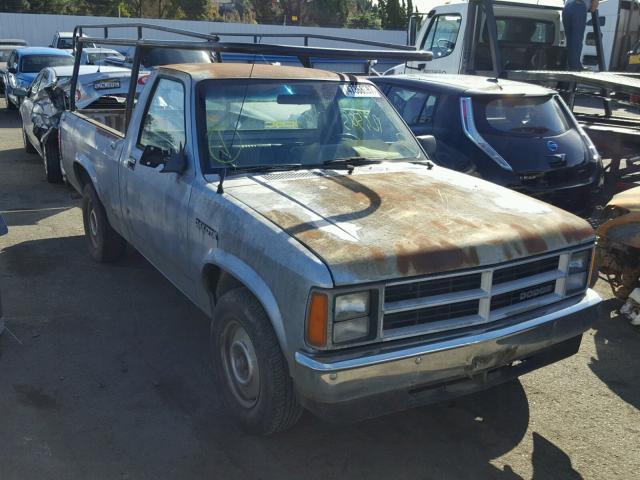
x=65 y=43
x=93 y=58
x=525 y=116
x=35 y=63
x=165 y=56
x=4 y=54
x=257 y=123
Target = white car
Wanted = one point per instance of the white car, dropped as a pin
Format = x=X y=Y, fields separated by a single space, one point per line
x=97 y=56
x=64 y=41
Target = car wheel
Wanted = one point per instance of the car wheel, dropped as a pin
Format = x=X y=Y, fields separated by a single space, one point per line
x=52 y=168
x=250 y=367
x=10 y=106
x=105 y=244
x=28 y=146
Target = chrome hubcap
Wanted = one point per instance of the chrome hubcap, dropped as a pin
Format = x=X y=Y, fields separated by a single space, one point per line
x=93 y=225
x=241 y=364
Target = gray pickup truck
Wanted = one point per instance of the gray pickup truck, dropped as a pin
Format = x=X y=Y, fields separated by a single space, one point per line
x=343 y=272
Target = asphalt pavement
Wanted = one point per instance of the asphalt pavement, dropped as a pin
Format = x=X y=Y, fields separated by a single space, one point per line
x=104 y=374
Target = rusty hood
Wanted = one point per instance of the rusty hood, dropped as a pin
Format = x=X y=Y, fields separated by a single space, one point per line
x=629 y=200
x=400 y=220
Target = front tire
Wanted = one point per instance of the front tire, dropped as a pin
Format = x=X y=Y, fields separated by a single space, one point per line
x=52 y=163
x=250 y=367
x=105 y=244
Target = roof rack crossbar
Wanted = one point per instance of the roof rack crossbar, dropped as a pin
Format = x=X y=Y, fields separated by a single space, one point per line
x=215 y=37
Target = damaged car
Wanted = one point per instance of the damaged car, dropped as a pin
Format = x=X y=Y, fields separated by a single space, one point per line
x=517 y=135
x=47 y=98
x=617 y=254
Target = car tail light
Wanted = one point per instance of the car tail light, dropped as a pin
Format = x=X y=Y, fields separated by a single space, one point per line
x=470 y=130
x=142 y=79
x=78 y=95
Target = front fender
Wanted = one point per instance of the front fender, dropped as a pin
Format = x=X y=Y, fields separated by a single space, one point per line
x=250 y=278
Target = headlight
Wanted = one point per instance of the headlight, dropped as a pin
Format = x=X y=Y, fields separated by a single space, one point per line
x=349 y=330
x=351 y=317
x=350 y=320
x=351 y=306
x=578 y=271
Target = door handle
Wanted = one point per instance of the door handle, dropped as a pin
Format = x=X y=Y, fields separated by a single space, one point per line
x=131 y=163
x=112 y=145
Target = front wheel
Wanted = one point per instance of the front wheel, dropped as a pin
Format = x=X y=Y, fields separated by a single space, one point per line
x=52 y=163
x=105 y=244
x=250 y=367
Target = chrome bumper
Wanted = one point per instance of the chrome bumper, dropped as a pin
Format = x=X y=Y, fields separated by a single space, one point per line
x=346 y=377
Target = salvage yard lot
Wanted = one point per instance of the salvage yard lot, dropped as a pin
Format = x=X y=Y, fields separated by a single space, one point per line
x=107 y=376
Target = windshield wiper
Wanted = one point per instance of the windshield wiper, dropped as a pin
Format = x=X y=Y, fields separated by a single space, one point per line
x=264 y=168
x=349 y=163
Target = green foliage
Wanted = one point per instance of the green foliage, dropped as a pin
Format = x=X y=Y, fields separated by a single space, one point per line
x=389 y=14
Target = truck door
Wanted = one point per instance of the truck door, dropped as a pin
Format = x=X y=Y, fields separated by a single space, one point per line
x=155 y=204
x=442 y=36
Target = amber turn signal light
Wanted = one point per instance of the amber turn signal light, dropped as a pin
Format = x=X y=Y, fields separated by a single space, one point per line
x=317 y=320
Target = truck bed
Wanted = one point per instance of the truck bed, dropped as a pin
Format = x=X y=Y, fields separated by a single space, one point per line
x=112 y=118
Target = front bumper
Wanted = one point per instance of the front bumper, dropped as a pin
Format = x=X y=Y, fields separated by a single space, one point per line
x=402 y=373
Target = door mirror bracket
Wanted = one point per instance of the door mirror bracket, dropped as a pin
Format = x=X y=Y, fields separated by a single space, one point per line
x=176 y=162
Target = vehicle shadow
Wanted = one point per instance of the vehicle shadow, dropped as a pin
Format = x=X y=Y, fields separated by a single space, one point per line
x=617 y=347
x=26 y=197
x=112 y=372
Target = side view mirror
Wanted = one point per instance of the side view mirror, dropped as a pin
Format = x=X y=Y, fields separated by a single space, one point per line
x=176 y=163
x=173 y=162
x=11 y=70
x=429 y=144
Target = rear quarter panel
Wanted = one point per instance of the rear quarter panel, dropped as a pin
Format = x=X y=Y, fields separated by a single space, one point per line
x=85 y=145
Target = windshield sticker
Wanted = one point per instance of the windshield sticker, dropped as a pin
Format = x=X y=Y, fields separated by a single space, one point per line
x=359 y=90
x=287 y=124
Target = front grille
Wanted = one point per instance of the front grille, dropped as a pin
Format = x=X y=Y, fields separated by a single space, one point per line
x=429 y=288
x=522 y=295
x=523 y=270
x=481 y=296
x=431 y=315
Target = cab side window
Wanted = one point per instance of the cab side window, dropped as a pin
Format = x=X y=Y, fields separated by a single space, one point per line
x=415 y=106
x=442 y=35
x=164 y=121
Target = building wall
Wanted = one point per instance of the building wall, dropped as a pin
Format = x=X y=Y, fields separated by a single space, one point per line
x=38 y=29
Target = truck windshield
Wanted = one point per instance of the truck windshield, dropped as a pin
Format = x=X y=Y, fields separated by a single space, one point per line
x=35 y=63
x=259 y=123
x=525 y=116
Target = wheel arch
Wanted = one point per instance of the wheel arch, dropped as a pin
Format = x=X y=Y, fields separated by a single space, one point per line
x=223 y=272
x=84 y=173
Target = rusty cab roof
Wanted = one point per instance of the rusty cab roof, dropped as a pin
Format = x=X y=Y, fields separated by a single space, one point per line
x=205 y=71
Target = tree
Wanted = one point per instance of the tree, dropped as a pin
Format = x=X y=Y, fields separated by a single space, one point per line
x=395 y=15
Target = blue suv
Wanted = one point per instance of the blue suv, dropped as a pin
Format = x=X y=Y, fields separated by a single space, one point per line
x=23 y=66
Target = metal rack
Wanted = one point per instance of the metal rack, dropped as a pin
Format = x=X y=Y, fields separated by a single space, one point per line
x=211 y=42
